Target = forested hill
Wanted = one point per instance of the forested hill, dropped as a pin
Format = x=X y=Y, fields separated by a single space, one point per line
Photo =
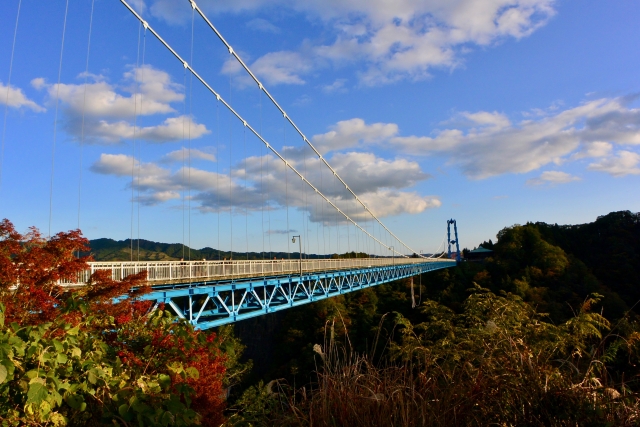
x=610 y=247
x=556 y=266
x=120 y=250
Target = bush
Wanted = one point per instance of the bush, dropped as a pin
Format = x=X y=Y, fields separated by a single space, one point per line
x=97 y=354
x=498 y=362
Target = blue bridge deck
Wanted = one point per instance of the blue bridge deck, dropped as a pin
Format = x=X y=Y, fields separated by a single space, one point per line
x=214 y=293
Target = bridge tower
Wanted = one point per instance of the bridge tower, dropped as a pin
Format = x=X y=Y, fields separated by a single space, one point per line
x=450 y=242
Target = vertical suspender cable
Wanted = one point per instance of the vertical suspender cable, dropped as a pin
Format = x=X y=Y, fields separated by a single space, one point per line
x=184 y=161
x=244 y=184
x=286 y=184
x=230 y=167
x=348 y=236
x=324 y=241
x=420 y=285
x=373 y=232
x=139 y=144
x=190 y=120
x=55 y=122
x=261 y=183
x=356 y=237
x=133 y=142
x=316 y=199
x=6 y=103
x=304 y=208
x=368 y=240
x=336 y=217
x=268 y=159
x=84 y=103
x=218 y=170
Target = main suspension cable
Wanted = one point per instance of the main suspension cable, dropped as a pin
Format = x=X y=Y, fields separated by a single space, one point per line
x=239 y=117
x=322 y=158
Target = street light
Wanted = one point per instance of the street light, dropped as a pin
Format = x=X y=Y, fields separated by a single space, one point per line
x=393 y=254
x=293 y=240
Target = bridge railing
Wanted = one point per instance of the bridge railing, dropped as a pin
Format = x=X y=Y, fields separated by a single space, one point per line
x=186 y=271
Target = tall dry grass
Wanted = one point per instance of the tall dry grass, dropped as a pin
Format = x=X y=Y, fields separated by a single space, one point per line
x=497 y=364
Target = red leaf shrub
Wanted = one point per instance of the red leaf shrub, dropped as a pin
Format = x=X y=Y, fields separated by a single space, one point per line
x=31 y=268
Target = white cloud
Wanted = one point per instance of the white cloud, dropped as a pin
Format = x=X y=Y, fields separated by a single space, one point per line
x=303 y=100
x=259 y=24
x=15 y=98
x=181 y=155
x=594 y=149
x=154 y=95
x=388 y=202
x=289 y=231
x=158 y=184
x=366 y=173
x=115 y=164
x=171 y=130
x=485 y=144
x=625 y=163
x=274 y=68
x=552 y=178
x=486 y=151
x=231 y=66
x=38 y=83
x=350 y=133
x=105 y=113
x=336 y=86
x=380 y=183
x=282 y=68
x=484 y=118
x=393 y=39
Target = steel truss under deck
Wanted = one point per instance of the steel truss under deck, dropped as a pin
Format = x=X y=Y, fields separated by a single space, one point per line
x=210 y=304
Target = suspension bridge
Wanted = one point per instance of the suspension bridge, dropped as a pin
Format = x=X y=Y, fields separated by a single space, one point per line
x=238 y=206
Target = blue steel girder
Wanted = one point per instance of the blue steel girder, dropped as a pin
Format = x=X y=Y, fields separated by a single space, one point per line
x=210 y=304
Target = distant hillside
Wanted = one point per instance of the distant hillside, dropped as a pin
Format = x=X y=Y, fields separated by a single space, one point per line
x=610 y=247
x=120 y=250
x=555 y=267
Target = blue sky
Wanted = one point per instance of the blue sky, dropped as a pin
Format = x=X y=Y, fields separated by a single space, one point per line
x=492 y=112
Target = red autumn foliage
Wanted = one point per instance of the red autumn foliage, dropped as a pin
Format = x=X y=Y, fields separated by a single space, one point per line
x=209 y=398
x=31 y=268
x=201 y=351
x=101 y=292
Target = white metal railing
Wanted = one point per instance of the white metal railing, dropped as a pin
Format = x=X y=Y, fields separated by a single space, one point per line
x=186 y=271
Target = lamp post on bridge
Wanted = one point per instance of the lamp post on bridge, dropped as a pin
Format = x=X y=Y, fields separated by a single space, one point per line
x=293 y=240
x=393 y=254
